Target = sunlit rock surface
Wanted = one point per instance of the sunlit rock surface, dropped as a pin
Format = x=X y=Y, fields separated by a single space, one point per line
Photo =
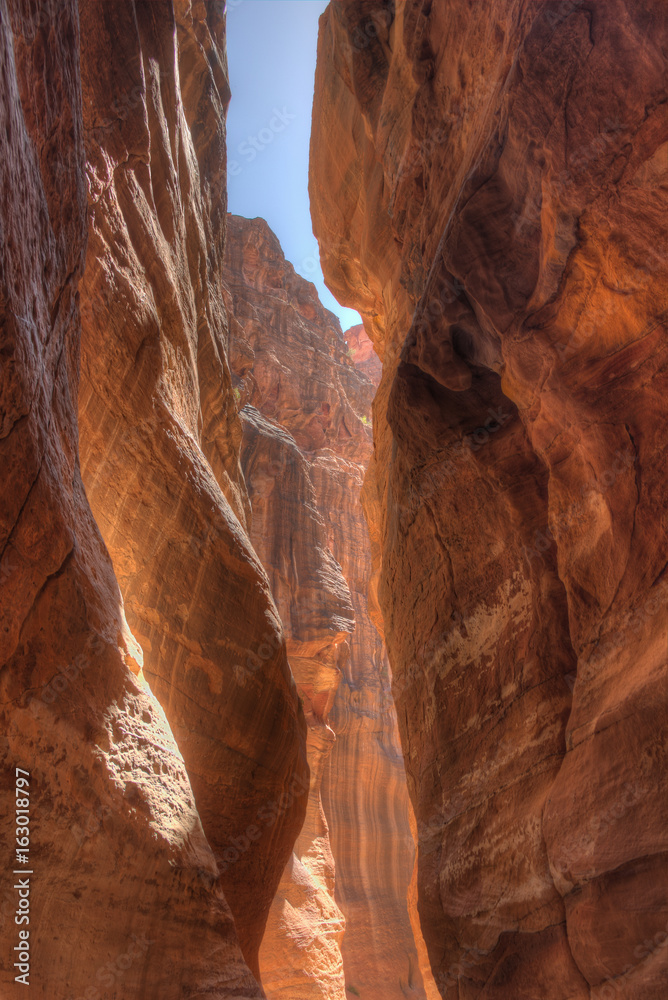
x=307 y=439
x=160 y=434
x=124 y=897
x=489 y=188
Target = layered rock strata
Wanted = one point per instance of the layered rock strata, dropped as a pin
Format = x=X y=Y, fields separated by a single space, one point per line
x=364 y=788
x=300 y=955
x=118 y=872
x=489 y=188
x=307 y=439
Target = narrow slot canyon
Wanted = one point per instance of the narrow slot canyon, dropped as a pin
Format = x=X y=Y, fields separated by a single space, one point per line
x=334 y=631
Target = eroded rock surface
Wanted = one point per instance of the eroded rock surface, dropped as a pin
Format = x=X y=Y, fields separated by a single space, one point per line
x=307 y=439
x=160 y=434
x=363 y=353
x=489 y=188
x=121 y=872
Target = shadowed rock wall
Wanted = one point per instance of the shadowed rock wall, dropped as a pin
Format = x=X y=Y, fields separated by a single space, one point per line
x=160 y=434
x=489 y=188
x=121 y=874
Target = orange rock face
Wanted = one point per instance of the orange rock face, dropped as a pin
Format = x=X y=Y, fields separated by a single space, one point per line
x=363 y=353
x=160 y=435
x=282 y=350
x=307 y=439
x=119 y=869
x=300 y=955
x=488 y=186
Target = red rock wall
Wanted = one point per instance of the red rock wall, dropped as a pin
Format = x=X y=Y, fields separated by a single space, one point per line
x=488 y=186
x=121 y=873
x=160 y=434
x=307 y=439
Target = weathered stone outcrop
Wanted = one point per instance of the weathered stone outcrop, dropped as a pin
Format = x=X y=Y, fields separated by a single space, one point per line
x=363 y=353
x=307 y=439
x=160 y=434
x=124 y=894
x=489 y=188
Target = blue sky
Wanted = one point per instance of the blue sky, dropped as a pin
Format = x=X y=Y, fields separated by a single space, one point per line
x=271 y=50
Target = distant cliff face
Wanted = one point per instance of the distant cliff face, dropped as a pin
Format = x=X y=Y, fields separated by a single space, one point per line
x=300 y=954
x=363 y=353
x=489 y=189
x=306 y=409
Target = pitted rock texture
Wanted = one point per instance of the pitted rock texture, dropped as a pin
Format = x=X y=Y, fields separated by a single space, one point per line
x=122 y=872
x=160 y=434
x=307 y=439
x=489 y=186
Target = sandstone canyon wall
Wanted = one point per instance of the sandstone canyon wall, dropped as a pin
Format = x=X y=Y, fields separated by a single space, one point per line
x=160 y=434
x=489 y=185
x=147 y=803
x=307 y=439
